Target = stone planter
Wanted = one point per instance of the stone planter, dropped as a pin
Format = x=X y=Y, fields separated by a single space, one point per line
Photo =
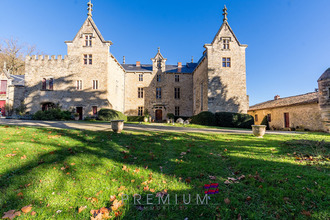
x=145 y=119
x=259 y=130
x=117 y=126
x=76 y=118
x=168 y=121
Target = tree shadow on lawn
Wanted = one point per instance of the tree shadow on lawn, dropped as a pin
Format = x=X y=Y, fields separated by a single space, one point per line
x=272 y=184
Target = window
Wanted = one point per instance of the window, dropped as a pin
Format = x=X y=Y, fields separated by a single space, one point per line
x=177 y=78
x=159 y=78
x=202 y=100
x=158 y=93
x=44 y=84
x=95 y=84
x=177 y=93
x=269 y=118
x=140 y=111
x=88 y=40
x=88 y=59
x=140 y=77
x=256 y=118
x=94 y=110
x=79 y=85
x=226 y=62
x=225 y=42
x=51 y=84
x=140 y=93
x=329 y=92
x=177 y=111
x=47 y=84
x=3 y=87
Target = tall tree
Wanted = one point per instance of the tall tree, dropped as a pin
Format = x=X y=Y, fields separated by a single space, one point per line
x=13 y=53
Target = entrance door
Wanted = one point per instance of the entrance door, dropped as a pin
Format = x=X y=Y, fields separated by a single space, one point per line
x=80 y=112
x=286 y=120
x=159 y=115
x=2 y=106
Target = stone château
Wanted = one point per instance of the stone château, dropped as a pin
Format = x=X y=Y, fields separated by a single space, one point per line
x=89 y=78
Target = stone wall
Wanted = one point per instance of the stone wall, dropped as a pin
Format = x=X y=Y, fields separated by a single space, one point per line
x=200 y=79
x=67 y=71
x=324 y=102
x=149 y=101
x=226 y=85
x=307 y=116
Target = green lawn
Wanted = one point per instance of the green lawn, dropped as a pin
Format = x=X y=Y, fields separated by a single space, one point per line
x=60 y=171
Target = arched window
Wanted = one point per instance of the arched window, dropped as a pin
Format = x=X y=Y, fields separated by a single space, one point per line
x=44 y=84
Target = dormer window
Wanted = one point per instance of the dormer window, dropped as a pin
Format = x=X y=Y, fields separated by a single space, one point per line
x=88 y=40
x=225 y=42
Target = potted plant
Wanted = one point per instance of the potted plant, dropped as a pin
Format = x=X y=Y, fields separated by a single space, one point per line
x=146 y=115
x=76 y=116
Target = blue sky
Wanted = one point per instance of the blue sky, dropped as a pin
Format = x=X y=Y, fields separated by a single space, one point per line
x=289 y=40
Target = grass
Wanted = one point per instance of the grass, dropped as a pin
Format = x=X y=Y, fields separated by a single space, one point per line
x=187 y=126
x=59 y=171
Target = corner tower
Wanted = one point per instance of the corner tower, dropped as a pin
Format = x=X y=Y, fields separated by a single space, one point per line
x=223 y=88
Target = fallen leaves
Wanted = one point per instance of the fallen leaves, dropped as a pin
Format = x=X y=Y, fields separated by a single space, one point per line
x=26 y=209
x=23 y=157
x=227 y=201
x=11 y=214
x=306 y=213
x=10 y=155
x=231 y=180
x=82 y=208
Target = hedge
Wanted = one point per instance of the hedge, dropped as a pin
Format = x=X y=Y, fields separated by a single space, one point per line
x=110 y=114
x=223 y=119
x=135 y=118
x=265 y=122
x=234 y=120
x=52 y=114
x=204 y=118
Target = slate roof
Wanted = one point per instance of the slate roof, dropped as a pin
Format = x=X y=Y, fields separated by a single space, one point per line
x=325 y=75
x=282 y=102
x=18 y=80
x=189 y=68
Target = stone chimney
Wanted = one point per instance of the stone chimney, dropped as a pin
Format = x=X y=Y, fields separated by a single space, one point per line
x=138 y=64
x=277 y=97
x=124 y=59
x=179 y=64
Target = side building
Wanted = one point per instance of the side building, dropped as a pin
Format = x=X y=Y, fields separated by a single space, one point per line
x=309 y=111
x=12 y=91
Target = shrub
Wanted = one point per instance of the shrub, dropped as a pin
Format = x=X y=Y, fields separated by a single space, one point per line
x=21 y=109
x=265 y=122
x=135 y=118
x=233 y=120
x=52 y=114
x=204 y=118
x=110 y=114
x=170 y=116
x=183 y=117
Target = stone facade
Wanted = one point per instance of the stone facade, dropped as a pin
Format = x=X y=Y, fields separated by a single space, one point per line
x=12 y=94
x=98 y=73
x=324 y=98
x=89 y=78
x=305 y=116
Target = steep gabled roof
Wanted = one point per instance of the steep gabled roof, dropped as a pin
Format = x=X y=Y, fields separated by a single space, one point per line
x=282 y=102
x=225 y=23
x=90 y=19
x=325 y=75
x=189 y=68
x=18 y=80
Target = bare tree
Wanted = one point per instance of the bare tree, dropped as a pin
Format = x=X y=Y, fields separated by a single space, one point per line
x=13 y=53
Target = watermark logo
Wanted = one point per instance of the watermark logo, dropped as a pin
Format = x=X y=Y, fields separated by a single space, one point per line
x=211 y=188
